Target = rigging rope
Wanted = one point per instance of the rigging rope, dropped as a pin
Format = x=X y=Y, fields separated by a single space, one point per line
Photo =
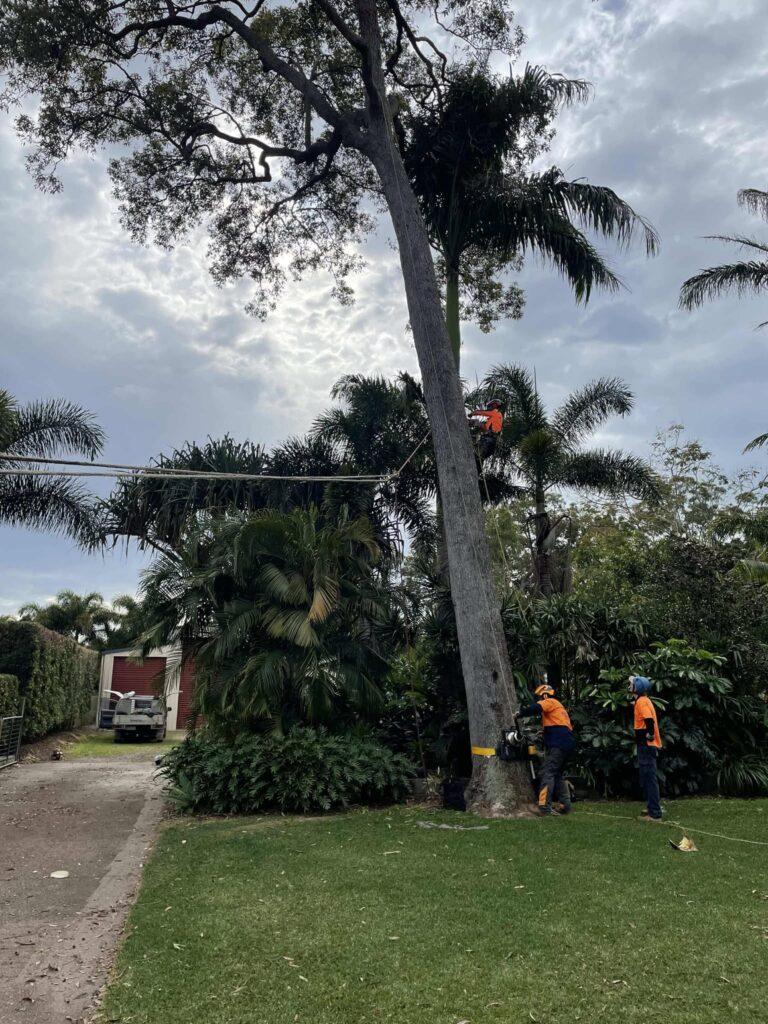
x=685 y=828
x=123 y=471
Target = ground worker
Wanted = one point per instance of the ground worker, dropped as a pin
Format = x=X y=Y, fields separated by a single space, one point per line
x=648 y=741
x=490 y=421
x=558 y=741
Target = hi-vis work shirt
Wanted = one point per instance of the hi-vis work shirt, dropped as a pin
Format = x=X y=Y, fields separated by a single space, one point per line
x=558 y=731
x=644 y=713
x=493 y=420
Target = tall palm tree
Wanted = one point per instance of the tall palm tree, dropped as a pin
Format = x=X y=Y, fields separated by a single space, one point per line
x=46 y=429
x=541 y=453
x=484 y=210
x=745 y=277
x=82 y=617
x=280 y=611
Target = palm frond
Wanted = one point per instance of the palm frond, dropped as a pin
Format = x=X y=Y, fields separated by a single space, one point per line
x=516 y=386
x=55 y=427
x=756 y=442
x=590 y=406
x=600 y=209
x=513 y=219
x=611 y=472
x=8 y=413
x=742 y=278
x=754 y=570
x=754 y=200
x=52 y=504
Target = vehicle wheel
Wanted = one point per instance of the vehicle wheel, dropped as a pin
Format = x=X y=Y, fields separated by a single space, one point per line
x=118 y=736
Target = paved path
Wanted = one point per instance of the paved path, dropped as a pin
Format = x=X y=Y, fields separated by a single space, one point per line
x=96 y=820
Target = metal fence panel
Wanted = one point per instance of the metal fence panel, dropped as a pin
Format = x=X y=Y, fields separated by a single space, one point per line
x=10 y=739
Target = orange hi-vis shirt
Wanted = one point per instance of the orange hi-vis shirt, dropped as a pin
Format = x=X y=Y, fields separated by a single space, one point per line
x=494 y=420
x=644 y=709
x=553 y=713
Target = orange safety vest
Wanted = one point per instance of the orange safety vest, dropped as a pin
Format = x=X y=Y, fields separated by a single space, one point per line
x=644 y=709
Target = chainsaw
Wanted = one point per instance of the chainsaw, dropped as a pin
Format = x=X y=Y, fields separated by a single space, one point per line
x=517 y=744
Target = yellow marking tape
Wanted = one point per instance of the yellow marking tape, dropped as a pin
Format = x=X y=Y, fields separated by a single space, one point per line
x=484 y=751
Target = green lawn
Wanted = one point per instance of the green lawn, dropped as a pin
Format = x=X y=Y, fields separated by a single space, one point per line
x=365 y=917
x=102 y=744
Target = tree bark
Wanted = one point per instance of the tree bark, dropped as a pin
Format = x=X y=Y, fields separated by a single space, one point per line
x=496 y=787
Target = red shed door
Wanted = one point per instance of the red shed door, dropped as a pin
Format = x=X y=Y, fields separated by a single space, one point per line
x=145 y=678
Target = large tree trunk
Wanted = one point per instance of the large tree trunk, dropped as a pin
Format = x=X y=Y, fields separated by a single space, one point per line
x=496 y=786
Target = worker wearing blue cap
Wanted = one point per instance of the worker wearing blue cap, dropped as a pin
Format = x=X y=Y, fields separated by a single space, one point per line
x=648 y=741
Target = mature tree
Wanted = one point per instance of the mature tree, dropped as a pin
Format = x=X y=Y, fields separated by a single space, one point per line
x=268 y=123
x=547 y=452
x=747 y=277
x=82 y=617
x=468 y=156
x=279 y=610
x=46 y=429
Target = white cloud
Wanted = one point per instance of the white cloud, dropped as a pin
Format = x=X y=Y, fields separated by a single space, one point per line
x=147 y=341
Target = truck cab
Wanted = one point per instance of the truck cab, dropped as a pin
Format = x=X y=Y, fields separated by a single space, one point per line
x=140 y=718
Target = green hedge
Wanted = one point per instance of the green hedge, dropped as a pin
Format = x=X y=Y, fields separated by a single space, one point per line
x=56 y=676
x=308 y=770
x=9 y=695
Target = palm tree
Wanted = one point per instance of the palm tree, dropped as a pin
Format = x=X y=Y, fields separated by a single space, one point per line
x=157 y=512
x=46 y=429
x=82 y=617
x=280 y=611
x=541 y=453
x=743 y=278
x=467 y=164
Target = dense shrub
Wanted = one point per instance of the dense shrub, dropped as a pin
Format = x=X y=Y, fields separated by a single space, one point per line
x=57 y=677
x=307 y=770
x=9 y=695
x=714 y=740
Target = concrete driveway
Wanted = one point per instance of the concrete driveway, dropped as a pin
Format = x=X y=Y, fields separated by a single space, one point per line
x=95 y=820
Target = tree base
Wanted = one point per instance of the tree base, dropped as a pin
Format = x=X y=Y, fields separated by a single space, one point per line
x=500 y=789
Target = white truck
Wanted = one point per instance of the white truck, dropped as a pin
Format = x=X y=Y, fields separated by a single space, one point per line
x=142 y=718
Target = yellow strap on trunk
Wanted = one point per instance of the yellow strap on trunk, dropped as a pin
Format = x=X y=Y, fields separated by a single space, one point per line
x=484 y=751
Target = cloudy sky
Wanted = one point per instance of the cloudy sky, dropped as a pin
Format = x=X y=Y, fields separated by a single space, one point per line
x=160 y=355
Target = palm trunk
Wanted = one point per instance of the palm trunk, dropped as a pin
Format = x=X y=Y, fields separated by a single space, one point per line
x=452 y=314
x=542 y=528
x=491 y=700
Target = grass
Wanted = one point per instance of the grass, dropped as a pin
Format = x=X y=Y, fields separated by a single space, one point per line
x=102 y=744
x=368 y=918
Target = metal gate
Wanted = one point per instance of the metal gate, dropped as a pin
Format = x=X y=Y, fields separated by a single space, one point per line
x=10 y=738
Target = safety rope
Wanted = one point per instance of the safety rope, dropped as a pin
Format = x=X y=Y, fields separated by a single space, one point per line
x=685 y=828
x=122 y=471
x=495 y=522
x=506 y=689
x=152 y=474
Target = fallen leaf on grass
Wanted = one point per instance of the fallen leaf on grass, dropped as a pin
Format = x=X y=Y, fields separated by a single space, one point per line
x=303 y=978
x=388 y=853
x=394 y=938
x=177 y=946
